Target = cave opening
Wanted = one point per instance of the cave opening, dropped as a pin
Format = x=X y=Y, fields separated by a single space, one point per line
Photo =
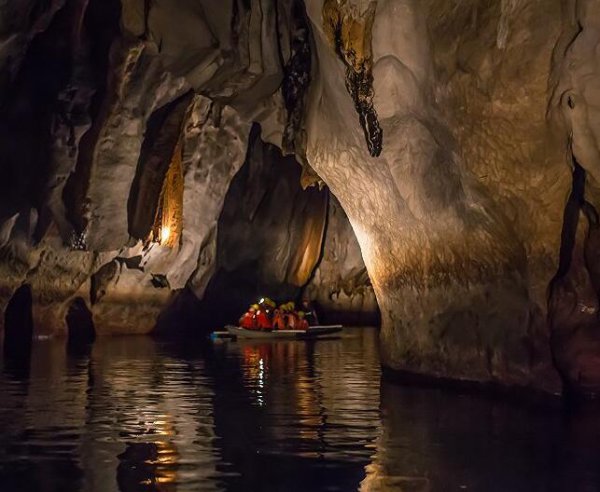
x=269 y=234
x=278 y=240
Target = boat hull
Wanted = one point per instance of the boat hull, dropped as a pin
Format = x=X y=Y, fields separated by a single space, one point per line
x=312 y=332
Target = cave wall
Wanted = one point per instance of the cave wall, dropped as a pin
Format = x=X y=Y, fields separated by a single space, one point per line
x=459 y=215
x=340 y=287
x=123 y=120
x=92 y=122
x=269 y=238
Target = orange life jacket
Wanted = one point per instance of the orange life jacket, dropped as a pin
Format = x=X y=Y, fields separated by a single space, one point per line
x=292 y=321
x=278 y=322
x=247 y=321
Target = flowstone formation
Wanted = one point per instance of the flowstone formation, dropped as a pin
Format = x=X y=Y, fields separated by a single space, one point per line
x=460 y=138
x=459 y=220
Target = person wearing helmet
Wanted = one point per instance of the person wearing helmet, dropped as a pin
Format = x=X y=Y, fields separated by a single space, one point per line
x=278 y=319
x=302 y=323
x=248 y=320
x=263 y=318
x=267 y=305
x=291 y=319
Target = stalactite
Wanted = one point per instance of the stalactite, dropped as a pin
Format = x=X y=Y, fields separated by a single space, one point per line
x=350 y=32
x=296 y=78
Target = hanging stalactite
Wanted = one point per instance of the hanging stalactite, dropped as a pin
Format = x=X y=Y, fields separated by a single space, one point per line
x=350 y=32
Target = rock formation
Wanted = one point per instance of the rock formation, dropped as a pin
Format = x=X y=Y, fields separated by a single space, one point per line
x=269 y=235
x=461 y=138
x=340 y=286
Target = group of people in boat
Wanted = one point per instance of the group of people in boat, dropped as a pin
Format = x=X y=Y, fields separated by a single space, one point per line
x=267 y=316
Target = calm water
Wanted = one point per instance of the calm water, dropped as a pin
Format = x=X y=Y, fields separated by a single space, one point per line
x=136 y=415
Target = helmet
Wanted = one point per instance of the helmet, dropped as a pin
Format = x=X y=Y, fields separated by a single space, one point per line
x=255 y=307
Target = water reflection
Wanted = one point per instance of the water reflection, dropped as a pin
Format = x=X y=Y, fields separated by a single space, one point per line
x=134 y=415
x=433 y=439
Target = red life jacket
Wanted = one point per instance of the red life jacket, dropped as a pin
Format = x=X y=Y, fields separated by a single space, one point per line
x=247 y=321
x=278 y=322
x=263 y=321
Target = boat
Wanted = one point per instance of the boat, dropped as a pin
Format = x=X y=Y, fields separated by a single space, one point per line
x=311 y=332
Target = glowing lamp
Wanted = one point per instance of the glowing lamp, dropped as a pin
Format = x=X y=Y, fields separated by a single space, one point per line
x=165 y=233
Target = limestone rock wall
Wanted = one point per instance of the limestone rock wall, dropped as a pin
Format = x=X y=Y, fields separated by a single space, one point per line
x=95 y=108
x=122 y=126
x=459 y=219
x=269 y=235
x=574 y=293
x=340 y=286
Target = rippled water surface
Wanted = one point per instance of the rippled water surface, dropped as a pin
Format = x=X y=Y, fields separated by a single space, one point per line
x=138 y=415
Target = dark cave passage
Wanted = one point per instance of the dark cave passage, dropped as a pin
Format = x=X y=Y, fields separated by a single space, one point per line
x=80 y=325
x=18 y=323
x=269 y=235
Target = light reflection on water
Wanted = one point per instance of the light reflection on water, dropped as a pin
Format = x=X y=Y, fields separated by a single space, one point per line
x=137 y=415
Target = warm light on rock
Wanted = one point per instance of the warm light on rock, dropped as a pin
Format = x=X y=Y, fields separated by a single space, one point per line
x=165 y=234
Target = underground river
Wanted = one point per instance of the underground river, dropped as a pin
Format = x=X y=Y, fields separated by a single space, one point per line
x=134 y=414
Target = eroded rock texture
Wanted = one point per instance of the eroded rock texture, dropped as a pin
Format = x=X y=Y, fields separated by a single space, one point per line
x=269 y=237
x=459 y=219
x=105 y=149
x=340 y=286
x=123 y=125
x=461 y=139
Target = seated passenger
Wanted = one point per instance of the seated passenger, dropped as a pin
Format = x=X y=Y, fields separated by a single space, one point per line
x=263 y=322
x=278 y=320
x=267 y=305
x=302 y=323
x=289 y=315
x=248 y=320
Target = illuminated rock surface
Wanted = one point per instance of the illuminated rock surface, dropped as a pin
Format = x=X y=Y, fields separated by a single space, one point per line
x=340 y=287
x=451 y=133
